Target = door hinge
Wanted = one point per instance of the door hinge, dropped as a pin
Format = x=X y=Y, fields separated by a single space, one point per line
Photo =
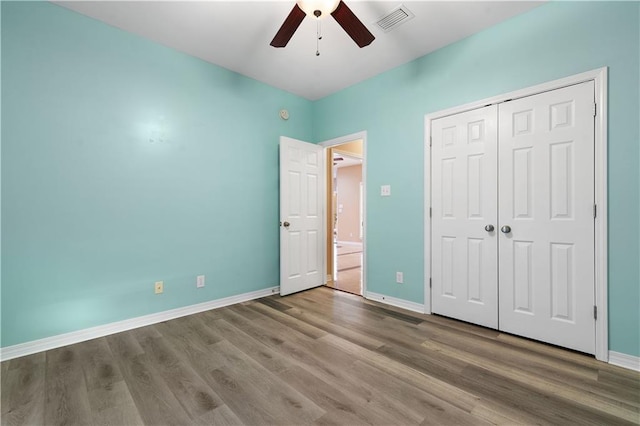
x=595 y=109
x=595 y=312
x=429 y=211
x=429 y=282
x=430 y=140
x=595 y=211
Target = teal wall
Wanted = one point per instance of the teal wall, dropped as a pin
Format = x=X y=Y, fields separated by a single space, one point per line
x=92 y=211
x=552 y=41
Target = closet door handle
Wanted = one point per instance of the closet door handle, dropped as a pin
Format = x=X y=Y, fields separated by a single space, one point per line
x=506 y=229
x=489 y=228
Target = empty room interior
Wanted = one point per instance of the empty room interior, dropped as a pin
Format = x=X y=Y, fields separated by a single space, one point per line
x=320 y=212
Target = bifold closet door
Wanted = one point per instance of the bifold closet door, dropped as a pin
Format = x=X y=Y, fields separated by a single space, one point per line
x=546 y=198
x=464 y=210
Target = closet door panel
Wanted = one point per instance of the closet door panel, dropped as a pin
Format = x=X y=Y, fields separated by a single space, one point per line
x=464 y=202
x=546 y=193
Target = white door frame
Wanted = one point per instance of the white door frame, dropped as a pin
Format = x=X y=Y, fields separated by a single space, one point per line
x=599 y=76
x=339 y=141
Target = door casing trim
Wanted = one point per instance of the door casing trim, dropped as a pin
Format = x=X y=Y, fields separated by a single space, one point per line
x=600 y=78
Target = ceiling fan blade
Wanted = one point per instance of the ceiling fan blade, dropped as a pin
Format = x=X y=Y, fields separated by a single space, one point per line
x=352 y=25
x=289 y=26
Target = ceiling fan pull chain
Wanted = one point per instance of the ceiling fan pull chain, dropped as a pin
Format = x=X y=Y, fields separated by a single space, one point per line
x=318 y=38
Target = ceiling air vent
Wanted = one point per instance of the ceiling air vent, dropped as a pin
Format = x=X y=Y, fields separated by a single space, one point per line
x=395 y=18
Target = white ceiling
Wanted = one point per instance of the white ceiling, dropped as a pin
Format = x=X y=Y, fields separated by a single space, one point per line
x=236 y=36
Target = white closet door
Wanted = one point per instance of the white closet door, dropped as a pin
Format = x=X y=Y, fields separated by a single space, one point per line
x=464 y=202
x=546 y=174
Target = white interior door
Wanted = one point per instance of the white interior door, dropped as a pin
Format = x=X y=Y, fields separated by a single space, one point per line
x=464 y=202
x=546 y=169
x=302 y=234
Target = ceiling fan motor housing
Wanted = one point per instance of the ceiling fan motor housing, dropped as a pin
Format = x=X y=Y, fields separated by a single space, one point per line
x=318 y=8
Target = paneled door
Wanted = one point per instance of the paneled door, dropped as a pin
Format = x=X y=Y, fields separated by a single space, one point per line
x=546 y=217
x=302 y=192
x=464 y=216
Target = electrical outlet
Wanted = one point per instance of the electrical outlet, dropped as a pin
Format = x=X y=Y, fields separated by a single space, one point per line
x=399 y=277
x=159 y=287
x=200 y=281
x=385 y=190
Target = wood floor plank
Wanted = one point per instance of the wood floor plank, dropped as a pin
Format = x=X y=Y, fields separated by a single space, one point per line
x=153 y=398
x=551 y=351
x=191 y=391
x=288 y=321
x=460 y=326
x=423 y=403
x=196 y=351
x=265 y=397
x=335 y=328
x=66 y=401
x=197 y=325
x=457 y=397
x=260 y=352
x=364 y=322
x=318 y=357
x=337 y=309
x=23 y=390
x=259 y=328
x=98 y=365
x=221 y=416
x=382 y=311
x=544 y=382
x=540 y=363
x=114 y=406
x=340 y=406
x=535 y=403
x=295 y=347
x=124 y=345
x=625 y=386
x=275 y=304
x=108 y=394
x=509 y=405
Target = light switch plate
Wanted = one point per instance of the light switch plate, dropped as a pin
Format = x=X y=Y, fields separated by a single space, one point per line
x=200 y=281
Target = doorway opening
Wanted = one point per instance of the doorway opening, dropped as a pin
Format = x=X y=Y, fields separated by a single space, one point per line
x=346 y=215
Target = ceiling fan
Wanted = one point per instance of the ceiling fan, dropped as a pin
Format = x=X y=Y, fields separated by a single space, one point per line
x=319 y=9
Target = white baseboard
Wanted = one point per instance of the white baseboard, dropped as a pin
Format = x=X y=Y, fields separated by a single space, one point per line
x=623 y=360
x=60 y=340
x=399 y=303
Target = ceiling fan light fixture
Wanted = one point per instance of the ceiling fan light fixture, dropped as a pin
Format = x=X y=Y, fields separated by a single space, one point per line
x=311 y=7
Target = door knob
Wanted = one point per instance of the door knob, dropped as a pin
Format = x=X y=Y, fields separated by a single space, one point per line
x=286 y=224
x=489 y=228
x=505 y=229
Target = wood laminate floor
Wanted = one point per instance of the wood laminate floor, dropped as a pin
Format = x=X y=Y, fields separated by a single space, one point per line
x=315 y=358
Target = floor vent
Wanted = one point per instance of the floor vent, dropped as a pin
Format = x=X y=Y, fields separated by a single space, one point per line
x=395 y=18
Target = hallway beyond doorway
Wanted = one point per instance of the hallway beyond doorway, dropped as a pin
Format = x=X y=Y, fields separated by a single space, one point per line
x=348 y=264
